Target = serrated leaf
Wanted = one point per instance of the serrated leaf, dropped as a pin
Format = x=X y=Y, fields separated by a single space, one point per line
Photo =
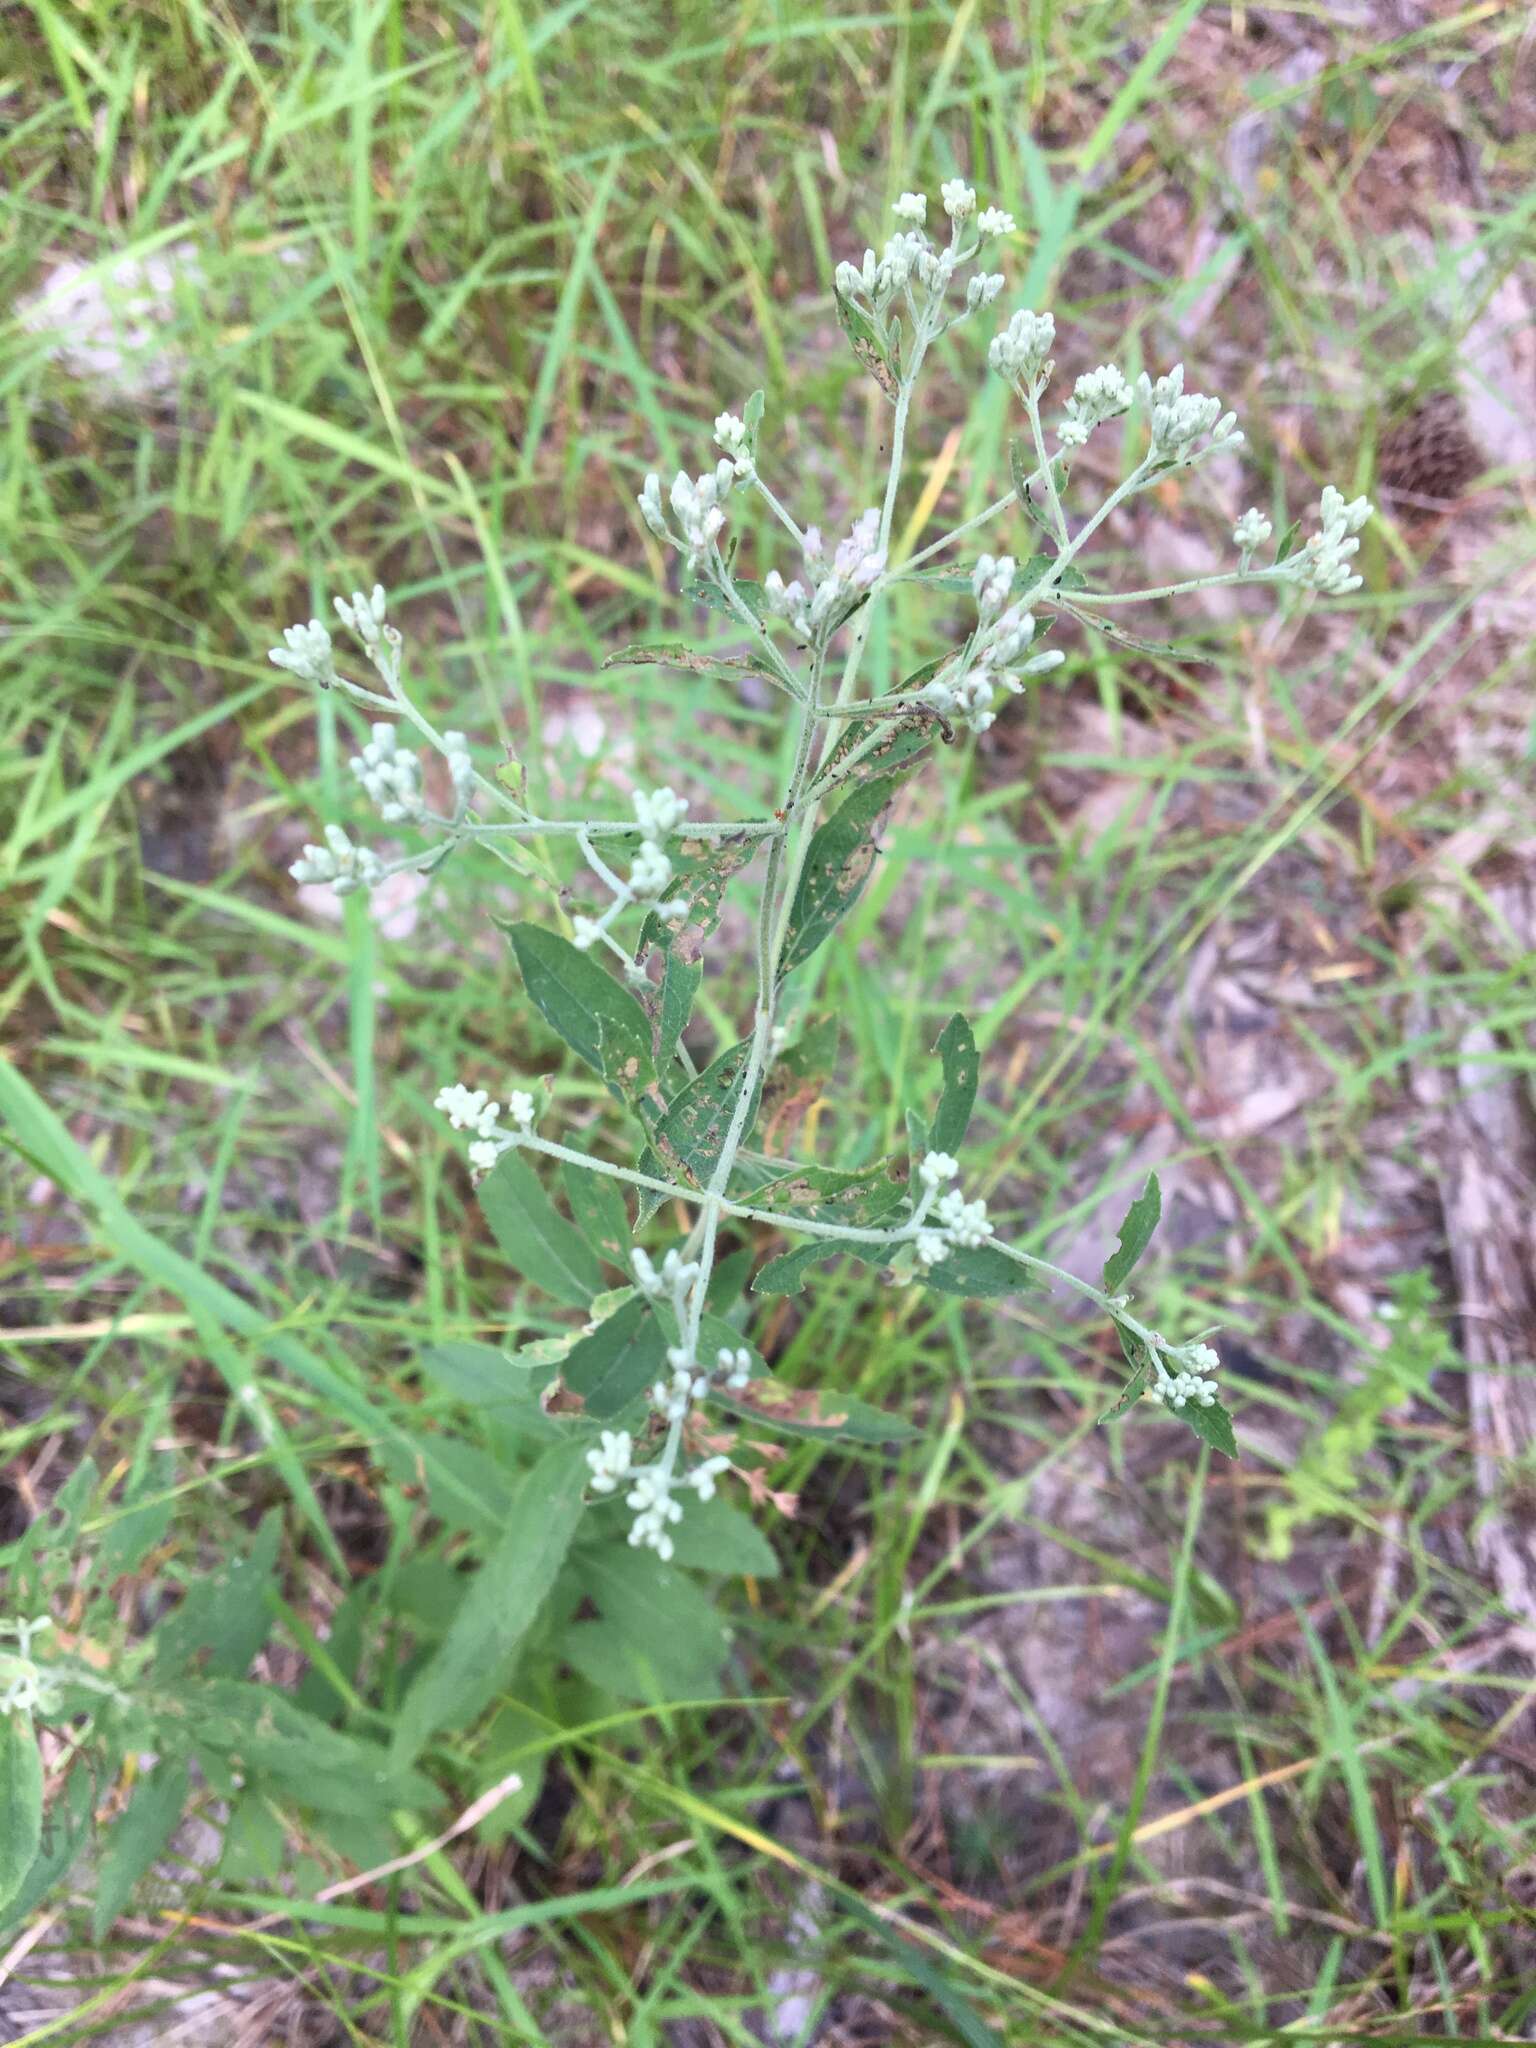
x=534 y=1238
x=1212 y=1425
x=21 y=1802
x=598 y=1207
x=1141 y=1220
x=956 y=1049
x=978 y=1272
x=582 y=1003
x=138 y=1838
x=615 y=1364
x=475 y=1657
x=841 y=855
x=787 y=1273
x=816 y=1412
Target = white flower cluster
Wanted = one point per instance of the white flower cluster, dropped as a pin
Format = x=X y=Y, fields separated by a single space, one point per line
x=653 y=1489
x=1323 y=564
x=1022 y=351
x=471 y=1109
x=461 y=769
x=731 y=435
x=968 y=689
x=910 y=257
x=677 y=1275
x=658 y=813
x=345 y=866
x=1098 y=395
x=857 y=563
x=1180 y=418
x=1178 y=1389
x=364 y=616
x=1251 y=531
x=697 y=505
x=951 y=1221
x=654 y=1499
x=390 y=775
x=27 y=1687
x=306 y=653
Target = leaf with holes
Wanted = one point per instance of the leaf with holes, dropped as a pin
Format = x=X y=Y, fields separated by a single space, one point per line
x=689 y=1136
x=956 y=1049
x=816 y=1412
x=838 y=864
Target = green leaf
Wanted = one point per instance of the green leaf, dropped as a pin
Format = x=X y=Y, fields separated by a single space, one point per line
x=1131 y=1392
x=678 y=654
x=1288 y=541
x=680 y=979
x=752 y=416
x=815 y=1412
x=21 y=1802
x=962 y=1068
x=650 y=1672
x=1167 y=650
x=479 y=1376
x=618 y=1361
x=224 y=1617
x=689 y=1136
x=787 y=1273
x=1135 y=1235
x=476 y=1656
x=583 y=1004
x=1212 y=1425
x=598 y=1207
x=837 y=865
x=750 y=593
x=237 y=1727
x=716 y=1538
x=669 y=1622
x=534 y=1237
x=978 y=1272
x=138 y=1838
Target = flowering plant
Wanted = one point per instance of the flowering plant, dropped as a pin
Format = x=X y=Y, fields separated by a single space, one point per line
x=654 y=1387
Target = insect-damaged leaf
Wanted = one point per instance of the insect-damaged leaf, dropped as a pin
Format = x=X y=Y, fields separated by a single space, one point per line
x=1141 y=1220
x=787 y=1273
x=1167 y=650
x=976 y=1272
x=862 y=1195
x=599 y=1210
x=678 y=654
x=701 y=872
x=868 y=345
x=689 y=1135
x=956 y=1048
x=599 y=1020
x=837 y=866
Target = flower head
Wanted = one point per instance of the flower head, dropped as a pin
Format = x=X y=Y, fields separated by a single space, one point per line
x=912 y=207
x=958 y=197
